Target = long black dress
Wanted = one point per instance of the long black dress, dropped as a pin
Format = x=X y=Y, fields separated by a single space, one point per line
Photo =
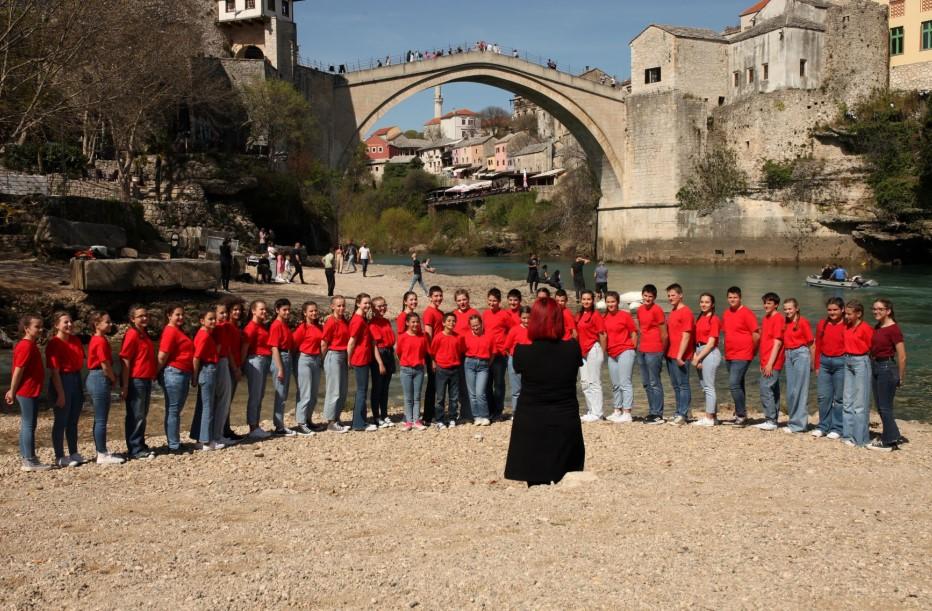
x=546 y=435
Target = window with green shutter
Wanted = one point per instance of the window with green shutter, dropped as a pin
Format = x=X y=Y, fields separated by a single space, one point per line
x=896 y=40
x=926 y=35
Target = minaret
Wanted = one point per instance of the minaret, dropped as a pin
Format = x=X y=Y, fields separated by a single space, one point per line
x=438 y=103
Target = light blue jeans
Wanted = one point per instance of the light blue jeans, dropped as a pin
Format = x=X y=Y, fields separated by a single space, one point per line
x=257 y=372
x=175 y=386
x=798 y=365
x=477 y=378
x=281 y=389
x=620 y=370
x=710 y=365
x=417 y=280
x=98 y=388
x=65 y=424
x=206 y=389
x=336 y=380
x=361 y=374
x=223 y=397
x=857 y=397
x=28 y=416
x=770 y=395
x=830 y=385
x=679 y=378
x=308 y=385
x=412 y=380
x=651 y=363
x=514 y=379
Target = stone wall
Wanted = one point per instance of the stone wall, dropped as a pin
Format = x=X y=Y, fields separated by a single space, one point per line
x=701 y=69
x=318 y=88
x=912 y=76
x=782 y=51
x=654 y=48
x=857 y=50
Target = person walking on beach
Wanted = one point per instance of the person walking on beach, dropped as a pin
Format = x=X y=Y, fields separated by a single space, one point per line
x=338 y=253
x=416 y=276
x=295 y=258
x=365 y=258
x=579 y=276
x=742 y=336
x=652 y=337
x=329 y=271
x=350 y=257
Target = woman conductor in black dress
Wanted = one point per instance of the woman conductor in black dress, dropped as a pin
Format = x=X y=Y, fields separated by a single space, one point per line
x=546 y=436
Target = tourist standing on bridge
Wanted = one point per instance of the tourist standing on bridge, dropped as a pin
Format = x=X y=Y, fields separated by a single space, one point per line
x=176 y=359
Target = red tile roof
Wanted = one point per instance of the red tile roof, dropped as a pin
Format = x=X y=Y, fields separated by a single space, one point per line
x=433 y=122
x=756 y=8
x=381 y=132
x=462 y=112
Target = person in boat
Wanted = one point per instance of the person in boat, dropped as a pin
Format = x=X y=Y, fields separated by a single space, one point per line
x=840 y=274
x=827 y=270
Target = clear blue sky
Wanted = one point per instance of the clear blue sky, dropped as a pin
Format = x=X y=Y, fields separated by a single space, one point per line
x=575 y=33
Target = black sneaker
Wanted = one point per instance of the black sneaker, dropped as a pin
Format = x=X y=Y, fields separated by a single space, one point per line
x=285 y=432
x=740 y=421
x=901 y=441
x=302 y=430
x=234 y=436
x=655 y=419
x=880 y=446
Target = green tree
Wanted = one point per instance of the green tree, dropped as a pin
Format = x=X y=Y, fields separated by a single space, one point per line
x=280 y=118
x=715 y=179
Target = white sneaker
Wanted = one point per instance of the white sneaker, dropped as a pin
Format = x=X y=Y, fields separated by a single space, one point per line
x=850 y=442
x=614 y=417
x=833 y=435
x=77 y=458
x=439 y=426
x=205 y=447
x=767 y=425
x=109 y=459
x=65 y=461
x=625 y=417
x=370 y=428
x=817 y=433
x=259 y=433
x=790 y=431
x=451 y=424
x=677 y=420
x=590 y=418
x=482 y=422
x=704 y=422
x=336 y=427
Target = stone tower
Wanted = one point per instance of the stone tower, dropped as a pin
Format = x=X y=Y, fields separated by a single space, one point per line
x=438 y=103
x=261 y=29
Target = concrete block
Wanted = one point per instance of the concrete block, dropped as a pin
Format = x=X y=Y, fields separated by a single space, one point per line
x=119 y=275
x=54 y=233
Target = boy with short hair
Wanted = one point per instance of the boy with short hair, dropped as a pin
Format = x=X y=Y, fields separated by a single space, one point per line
x=771 y=360
x=742 y=335
x=652 y=337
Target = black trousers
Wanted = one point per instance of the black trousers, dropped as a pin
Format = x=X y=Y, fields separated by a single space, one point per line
x=298 y=271
x=331 y=281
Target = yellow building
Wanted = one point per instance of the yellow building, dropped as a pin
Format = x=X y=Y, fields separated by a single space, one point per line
x=910 y=44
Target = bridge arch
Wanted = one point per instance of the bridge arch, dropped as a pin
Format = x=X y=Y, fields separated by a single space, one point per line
x=593 y=113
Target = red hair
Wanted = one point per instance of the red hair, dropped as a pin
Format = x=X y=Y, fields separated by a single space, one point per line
x=546 y=320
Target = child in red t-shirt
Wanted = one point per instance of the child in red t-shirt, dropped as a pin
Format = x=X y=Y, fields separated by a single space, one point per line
x=100 y=381
x=204 y=378
x=25 y=387
x=412 y=355
x=256 y=366
x=447 y=351
x=64 y=357
x=281 y=343
x=176 y=357
x=140 y=366
x=517 y=336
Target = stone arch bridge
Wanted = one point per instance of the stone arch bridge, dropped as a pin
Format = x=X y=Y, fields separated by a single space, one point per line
x=592 y=112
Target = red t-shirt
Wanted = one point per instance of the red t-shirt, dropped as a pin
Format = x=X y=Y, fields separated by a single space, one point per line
x=799 y=336
x=649 y=321
x=412 y=349
x=771 y=330
x=883 y=344
x=517 y=336
x=257 y=338
x=619 y=327
x=515 y=316
x=447 y=350
x=178 y=347
x=66 y=357
x=307 y=338
x=382 y=333
x=139 y=351
x=280 y=336
x=432 y=319
x=681 y=322
x=708 y=327
x=462 y=321
x=588 y=326
x=99 y=351
x=362 y=350
x=205 y=347
x=478 y=346
x=336 y=333
x=858 y=339
x=26 y=355
x=497 y=324
x=401 y=322
x=739 y=326
x=569 y=324
x=229 y=340
x=830 y=338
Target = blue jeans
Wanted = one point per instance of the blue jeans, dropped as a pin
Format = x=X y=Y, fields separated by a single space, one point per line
x=736 y=372
x=257 y=372
x=362 y=389
x=514 y=379
x=175 y=386
x=378 y=397
x=830 y=385
x=886 y=377
x=98 y=387
x=206 y=388
x=707 y=379
x=620 y=370
x=477 y=377
x=798 y=366
x=138 y=396
x=679 y=378
x=412 y=380
x=857 y=396
x=309 y=367
x=650 y=363
x=770 y=395
x=336 y=378
x=418 y=280
x=66 y=418
x=28 y=417
x=448 y=386
x=495 y=390
x=281 y=389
